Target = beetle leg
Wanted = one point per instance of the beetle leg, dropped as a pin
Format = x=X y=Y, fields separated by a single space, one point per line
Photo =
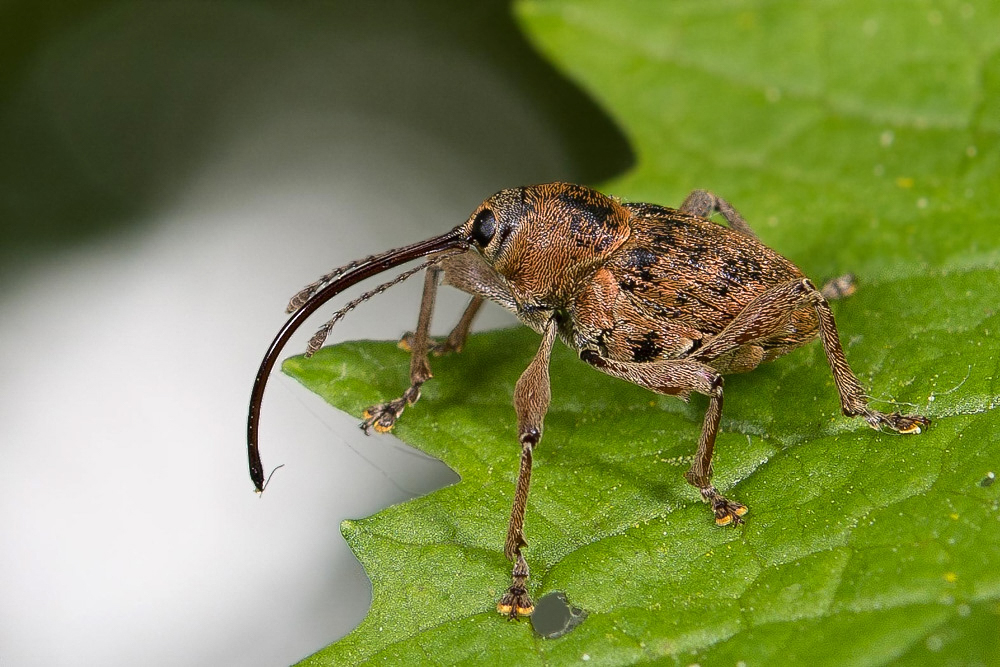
x=764 y=317
x=531 y=402
x=853 y=400
x=678 y=377
x=703 y=204
x=456 y=339
x=382 y=417
x=700 y=474
x=767 y=314
x=840 y=287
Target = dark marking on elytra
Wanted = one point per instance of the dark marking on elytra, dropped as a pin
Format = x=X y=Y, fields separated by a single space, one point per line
x=628 y=282
x=741 y=270
x=640 y=261
x=695 y=253
x=664 y=237
x=695 y=345
x=718 y=288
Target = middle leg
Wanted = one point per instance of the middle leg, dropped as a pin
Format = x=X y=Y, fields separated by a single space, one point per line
x=679 y=377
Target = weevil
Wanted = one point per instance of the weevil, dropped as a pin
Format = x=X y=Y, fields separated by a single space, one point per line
x=664 y=298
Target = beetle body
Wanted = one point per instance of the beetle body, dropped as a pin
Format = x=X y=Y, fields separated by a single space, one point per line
x=646 y=282
x=660 y=297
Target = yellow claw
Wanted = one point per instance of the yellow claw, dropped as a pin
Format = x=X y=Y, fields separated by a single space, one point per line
x=505 y=609
x=732 y=515
x=382 y=429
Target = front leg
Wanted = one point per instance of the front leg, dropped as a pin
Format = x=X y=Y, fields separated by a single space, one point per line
x=382 y=417
x=679 y=377
x=531 y=402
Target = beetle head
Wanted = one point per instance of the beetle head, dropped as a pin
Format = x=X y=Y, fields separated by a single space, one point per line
x=544 y=239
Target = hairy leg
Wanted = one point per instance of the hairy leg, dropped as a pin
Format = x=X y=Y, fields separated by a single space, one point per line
x=531 y=402
x=680 y=377
x=703 y=204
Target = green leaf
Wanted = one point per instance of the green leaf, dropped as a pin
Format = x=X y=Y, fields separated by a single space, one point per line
x=854 y=136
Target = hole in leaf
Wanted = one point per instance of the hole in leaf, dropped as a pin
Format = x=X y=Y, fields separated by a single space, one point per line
x=554 y=616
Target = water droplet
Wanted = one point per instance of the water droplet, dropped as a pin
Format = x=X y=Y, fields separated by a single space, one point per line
x=554 y=617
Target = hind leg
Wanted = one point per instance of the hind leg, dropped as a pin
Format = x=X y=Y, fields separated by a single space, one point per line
x=768 y=315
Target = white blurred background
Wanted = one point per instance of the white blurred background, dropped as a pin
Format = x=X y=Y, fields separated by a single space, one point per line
x=170 y=173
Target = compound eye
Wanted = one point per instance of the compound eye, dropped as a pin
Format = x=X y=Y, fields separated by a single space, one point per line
x=484 y=227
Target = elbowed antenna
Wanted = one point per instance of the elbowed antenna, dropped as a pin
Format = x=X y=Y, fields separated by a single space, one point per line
x=346 y=277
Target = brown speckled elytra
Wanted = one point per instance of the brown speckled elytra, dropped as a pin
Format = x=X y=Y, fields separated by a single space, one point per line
x=661 y=297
